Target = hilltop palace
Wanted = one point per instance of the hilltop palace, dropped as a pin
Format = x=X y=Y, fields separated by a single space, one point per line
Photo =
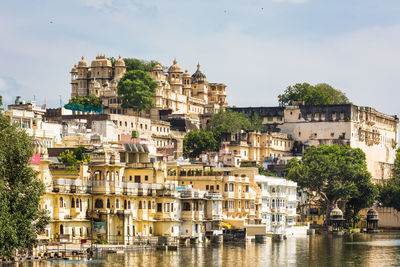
x=177 y=91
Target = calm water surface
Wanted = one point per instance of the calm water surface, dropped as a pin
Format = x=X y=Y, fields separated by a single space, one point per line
x=326 y=250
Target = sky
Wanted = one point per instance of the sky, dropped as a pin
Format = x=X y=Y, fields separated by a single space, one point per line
x=256 y=47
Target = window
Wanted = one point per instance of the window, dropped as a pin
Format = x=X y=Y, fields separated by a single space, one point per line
x=77 y=203
x=98 y=204
x=159 y=207
x=130 y=177
x=117 y=203
x=186 y=206
x=137 y=178
x=61 y=229
x=146 y=177
x=226 y=188
x=247 y=188
x=144 y=204
x=61 y=202
x=73 y=203
x=247 y=204
x=231 y=187
x=108 y=203
x=207 y=187
x=149 y=205
x=140 y=205
x=217 y=187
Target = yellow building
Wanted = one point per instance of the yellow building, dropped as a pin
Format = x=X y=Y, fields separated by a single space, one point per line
x=240 y=193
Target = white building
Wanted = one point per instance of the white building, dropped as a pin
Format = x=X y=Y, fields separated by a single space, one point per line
x=279 y=200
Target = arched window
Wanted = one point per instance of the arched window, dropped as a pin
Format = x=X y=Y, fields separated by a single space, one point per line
x=144 y=204
x=61 y=229
x=117 y=203
x=129 y=204
x=149 y=205
x=61 y=202
x=151 y=230
x=140 y=205
x=77 y=203
x=226 y=187
x=125 y=204
x=80 y=204
x=273 y=189
x=98 y=204
x=108 y=176
x=231 y=187
x=108 y=203
x=273 y=203
x=73 y=203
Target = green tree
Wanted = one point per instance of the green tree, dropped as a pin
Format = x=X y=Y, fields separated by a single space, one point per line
x=364 y=197
x=1 y=100
x=136 y=89
x=21 y=218
x=389 y=195
x=197 y=141
x=228 y=121
x=333 y=172
x=320 y=94
x=77 y=156
x=91 y=100
x=139 y=64
x=112 y=60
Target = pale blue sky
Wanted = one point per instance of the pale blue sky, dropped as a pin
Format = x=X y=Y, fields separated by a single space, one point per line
x=256 y=47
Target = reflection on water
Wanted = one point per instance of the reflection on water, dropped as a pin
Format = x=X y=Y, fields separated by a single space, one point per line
x=356 y=250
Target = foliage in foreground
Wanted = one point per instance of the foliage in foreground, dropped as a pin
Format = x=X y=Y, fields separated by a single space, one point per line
x=338 y=174
x=21 y=219
x=389 y=195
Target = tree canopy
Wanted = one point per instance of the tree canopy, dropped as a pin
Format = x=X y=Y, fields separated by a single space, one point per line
x=139 y=64
x=389 y=195
x=73 y=157
x=320 y=94
x=336 y=173
x=1 y=100
x=228 y=121
x=21 y=219
x=136 y=89
x=91 y=100
x=197 y=141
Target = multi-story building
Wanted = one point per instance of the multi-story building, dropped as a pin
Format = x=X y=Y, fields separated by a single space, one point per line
x=257 y=146
x=279 y=201
x=236 y=185
x=359 y=127
x=177 y=91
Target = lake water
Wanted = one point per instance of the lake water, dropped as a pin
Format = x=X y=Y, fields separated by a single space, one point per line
x=320 y=250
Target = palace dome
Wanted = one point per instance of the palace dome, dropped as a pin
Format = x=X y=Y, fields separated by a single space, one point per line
x=82 y=63
x=198 y=76
x=157 y=67
x=175 y=67
x=186 y=74
x=101 y=61
x=120 y=62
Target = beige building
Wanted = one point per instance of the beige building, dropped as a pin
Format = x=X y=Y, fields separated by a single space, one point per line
x=360 y=127
x=255 y=147
x=177 y=91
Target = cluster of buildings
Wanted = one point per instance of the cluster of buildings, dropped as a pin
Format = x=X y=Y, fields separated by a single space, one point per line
x=137 y=183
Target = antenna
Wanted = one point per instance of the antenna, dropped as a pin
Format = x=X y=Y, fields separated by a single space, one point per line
x=60 y=101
